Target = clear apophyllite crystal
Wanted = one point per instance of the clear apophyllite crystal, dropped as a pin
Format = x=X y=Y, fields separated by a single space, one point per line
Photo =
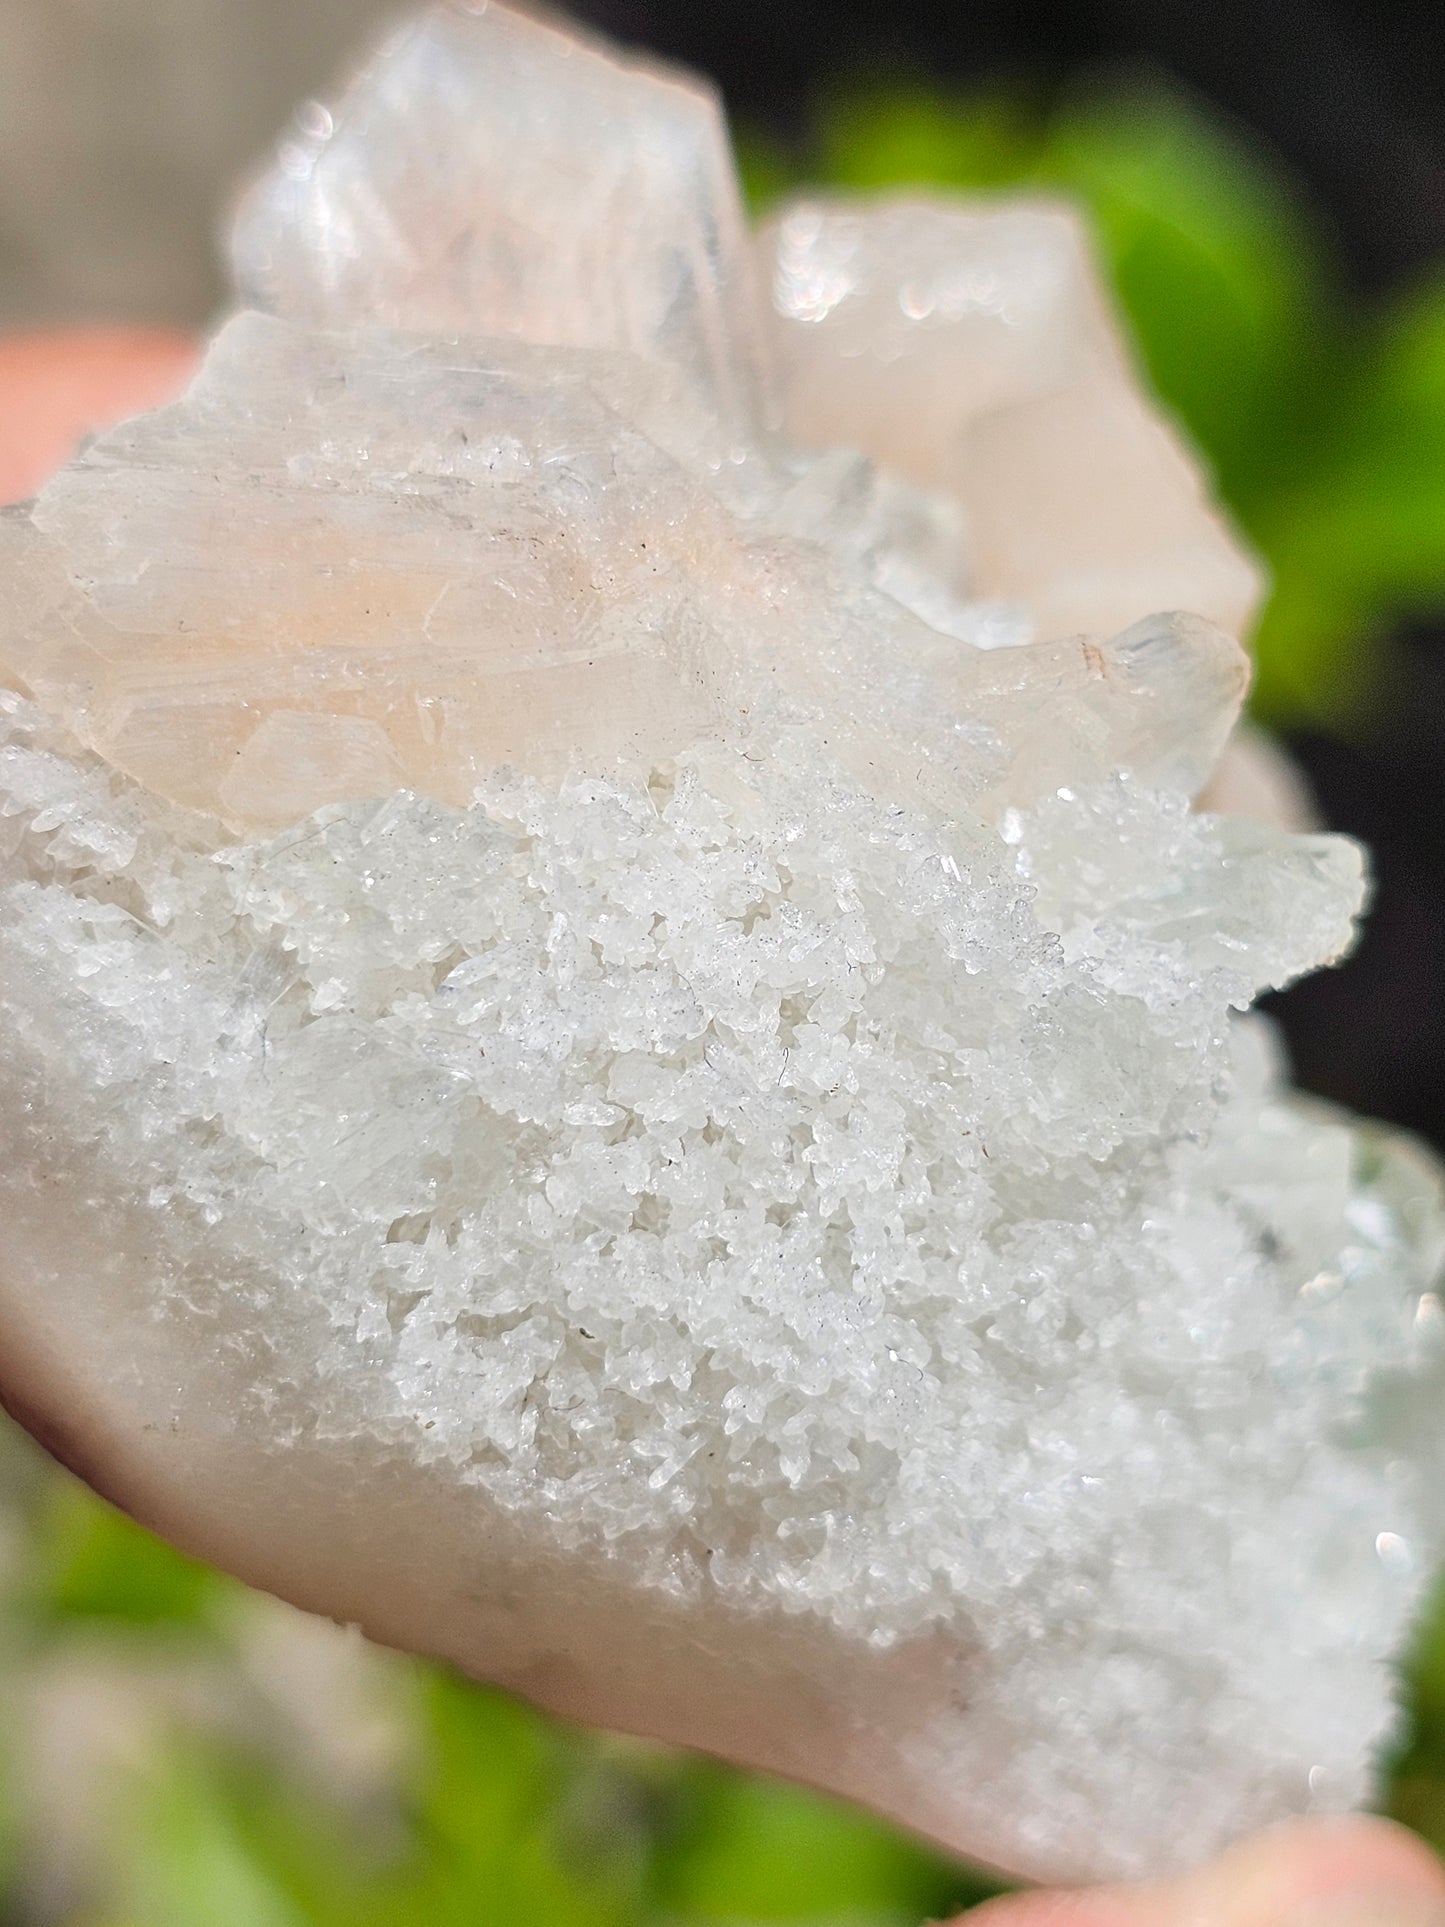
x=618 y=1042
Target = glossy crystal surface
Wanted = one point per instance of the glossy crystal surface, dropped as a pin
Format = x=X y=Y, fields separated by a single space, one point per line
x=488 y=474
x=972 y=349
x=490 y=173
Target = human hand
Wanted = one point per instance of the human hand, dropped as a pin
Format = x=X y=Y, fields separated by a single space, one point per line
x=1351 y=1872
x=59 y=386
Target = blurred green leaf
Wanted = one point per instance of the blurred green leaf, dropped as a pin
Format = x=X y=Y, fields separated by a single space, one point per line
x=92 y=1562
x=258 y=1840
x=1426 y=1677
x=520 y=1823
x=903 y=136
x=1416 y=1776
x=1385 y=487
x=1322 y=648
x=183 y=1859
x=753 y=1850
x=764 y=166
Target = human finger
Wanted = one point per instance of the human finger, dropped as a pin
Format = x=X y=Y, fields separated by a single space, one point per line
x=58 y=386
x=1351 y=1872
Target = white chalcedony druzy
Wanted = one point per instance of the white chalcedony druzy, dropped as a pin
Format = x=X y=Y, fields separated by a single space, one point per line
x=621 y=1051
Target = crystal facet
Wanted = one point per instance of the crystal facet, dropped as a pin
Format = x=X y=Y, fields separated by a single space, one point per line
x=972 y=349
x=622 y=1053
x=411 y=560
x=490 y=174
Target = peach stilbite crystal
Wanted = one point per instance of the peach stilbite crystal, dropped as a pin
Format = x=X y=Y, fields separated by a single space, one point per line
x=621 y=1052
x=492 y=479
x=972 y=350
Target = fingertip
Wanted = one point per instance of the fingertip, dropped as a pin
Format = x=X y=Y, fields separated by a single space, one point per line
x=1352 y=1868
x=57 y=386
x=1301 y=1864
x=1102 y=1909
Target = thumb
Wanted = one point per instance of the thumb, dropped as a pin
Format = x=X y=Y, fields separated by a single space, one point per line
x=1319 y=1873
x=57 y=387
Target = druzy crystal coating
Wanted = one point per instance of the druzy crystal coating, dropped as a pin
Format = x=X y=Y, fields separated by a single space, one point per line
x=623 y=1057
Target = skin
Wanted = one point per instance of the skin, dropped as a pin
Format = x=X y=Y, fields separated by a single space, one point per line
x=55 y=389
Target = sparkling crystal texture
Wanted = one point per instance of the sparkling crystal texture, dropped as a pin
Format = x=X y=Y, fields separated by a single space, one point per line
x=624 y=1055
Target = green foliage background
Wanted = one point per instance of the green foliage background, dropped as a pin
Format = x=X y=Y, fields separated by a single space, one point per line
x=1325 y=423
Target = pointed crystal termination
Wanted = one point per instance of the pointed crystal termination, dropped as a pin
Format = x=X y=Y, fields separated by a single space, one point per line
x=490 y=175
x=490 y=483
x=364 y=563
x=971 y=348
x=1159 y=701
x=348 y=564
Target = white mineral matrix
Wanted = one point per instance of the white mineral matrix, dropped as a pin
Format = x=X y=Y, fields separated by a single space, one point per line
x=621 y=1051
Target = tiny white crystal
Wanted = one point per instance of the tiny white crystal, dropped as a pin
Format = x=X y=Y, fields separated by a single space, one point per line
x=622 y=1056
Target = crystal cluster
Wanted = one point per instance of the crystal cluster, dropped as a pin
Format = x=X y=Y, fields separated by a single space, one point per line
x=622 y=1051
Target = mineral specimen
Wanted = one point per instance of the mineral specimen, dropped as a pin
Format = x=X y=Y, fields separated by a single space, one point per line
x=622 y=1053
